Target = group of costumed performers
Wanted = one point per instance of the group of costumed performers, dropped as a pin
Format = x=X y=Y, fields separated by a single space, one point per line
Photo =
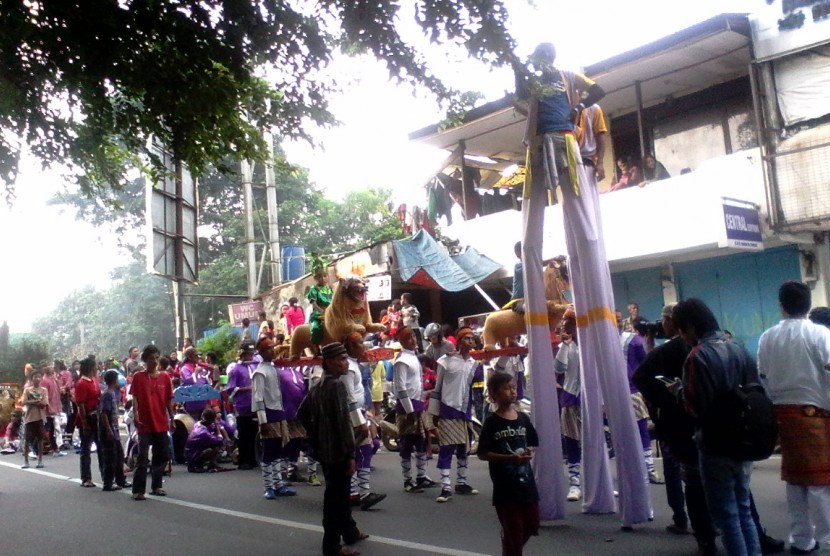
x=450 y=405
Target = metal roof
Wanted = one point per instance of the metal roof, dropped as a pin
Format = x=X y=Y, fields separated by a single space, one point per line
x=708 y=53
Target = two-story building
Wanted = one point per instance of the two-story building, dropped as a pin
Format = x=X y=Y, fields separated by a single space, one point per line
x=704 y=103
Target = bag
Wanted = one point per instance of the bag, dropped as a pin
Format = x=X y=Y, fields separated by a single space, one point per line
x=741 y=425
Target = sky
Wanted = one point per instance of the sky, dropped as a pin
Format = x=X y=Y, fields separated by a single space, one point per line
x=46 y=254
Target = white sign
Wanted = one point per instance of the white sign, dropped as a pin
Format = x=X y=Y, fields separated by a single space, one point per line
x=380 y=287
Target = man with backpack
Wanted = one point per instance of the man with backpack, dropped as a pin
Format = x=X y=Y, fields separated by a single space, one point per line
x=714 y=371
x=794 y=361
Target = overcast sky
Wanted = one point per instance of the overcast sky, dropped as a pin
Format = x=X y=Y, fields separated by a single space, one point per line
x=46 y=254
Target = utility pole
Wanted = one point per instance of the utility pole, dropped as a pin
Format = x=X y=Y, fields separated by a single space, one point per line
x=271 y=198
x=247 y=172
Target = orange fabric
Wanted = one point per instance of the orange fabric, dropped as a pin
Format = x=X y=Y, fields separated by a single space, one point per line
x=805 y=445
x=596 y=314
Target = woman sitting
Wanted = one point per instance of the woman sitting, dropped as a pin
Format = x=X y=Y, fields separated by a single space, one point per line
x=629 y=174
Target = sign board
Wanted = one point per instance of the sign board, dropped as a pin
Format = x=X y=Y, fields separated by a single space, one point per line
x=743 y=228
x=380 y=287
x=248 y=309
x=171 y=207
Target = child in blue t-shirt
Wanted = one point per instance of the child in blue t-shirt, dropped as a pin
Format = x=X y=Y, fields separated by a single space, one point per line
x=506 y=442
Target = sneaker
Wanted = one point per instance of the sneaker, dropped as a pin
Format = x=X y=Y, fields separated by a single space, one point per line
x=795 y=550
x=58 y=454
x=655 y=479
x=425 y=482
x=25 y=466
x=446 y=496
x=295 y=476
x=33 y=455
x=676 y=529
x=39 y=466
x=465 y=489
x=574 y=493
x=270 y=493
x=411 y=487
x=285 y=490
x=314 y=480
x=370 y=500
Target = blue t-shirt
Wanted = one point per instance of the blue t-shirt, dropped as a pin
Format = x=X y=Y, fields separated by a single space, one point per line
x=554 y=109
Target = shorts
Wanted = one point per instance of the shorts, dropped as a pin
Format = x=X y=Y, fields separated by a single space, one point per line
x=34 y=431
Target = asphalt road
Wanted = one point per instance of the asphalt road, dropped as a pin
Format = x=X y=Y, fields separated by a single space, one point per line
x=44 y=510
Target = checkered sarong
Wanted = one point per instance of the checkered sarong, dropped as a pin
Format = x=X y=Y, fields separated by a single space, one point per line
x=640 y=408
x=414 y=423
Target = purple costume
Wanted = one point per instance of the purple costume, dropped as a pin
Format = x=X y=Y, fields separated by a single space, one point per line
x=201 y=438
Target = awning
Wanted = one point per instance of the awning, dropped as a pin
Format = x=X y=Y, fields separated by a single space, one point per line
x=421 y=261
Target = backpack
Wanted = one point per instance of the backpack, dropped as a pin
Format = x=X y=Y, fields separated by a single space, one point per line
x=742 y=424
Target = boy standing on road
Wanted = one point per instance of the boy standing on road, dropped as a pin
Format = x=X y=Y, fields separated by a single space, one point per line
x=35 y=401
x=109 y=435
x=152 y=392
x=507 y=439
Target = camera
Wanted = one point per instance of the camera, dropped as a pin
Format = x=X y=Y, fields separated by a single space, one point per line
x=651 y=328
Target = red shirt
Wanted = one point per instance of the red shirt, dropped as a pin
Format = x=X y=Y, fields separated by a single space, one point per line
x=87 y=393
x=152 y=393
x=294 y=317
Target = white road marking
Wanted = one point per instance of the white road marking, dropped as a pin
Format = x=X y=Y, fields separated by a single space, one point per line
x=428 y=548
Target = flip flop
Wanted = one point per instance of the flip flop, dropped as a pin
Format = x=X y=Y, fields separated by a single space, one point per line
x=360 y=537
x=88 y=484
x=158 y=492
x=139 y=497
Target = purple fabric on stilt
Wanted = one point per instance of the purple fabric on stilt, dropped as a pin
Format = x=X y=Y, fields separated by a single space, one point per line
x=547 y=463
x=602 y=363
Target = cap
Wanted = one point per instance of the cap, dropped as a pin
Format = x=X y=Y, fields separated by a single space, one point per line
x=667 y=309
x=247 y=347
x=332 y=350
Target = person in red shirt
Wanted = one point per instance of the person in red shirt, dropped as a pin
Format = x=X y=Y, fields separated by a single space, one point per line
x=294 y=316
x=152 y=392
x=87 y=393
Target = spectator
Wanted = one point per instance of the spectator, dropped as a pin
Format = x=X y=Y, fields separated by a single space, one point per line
x=152 y=392
x=111 y=453
x=294 y=316
x=793 y=359
x=87 y=396
x=629 y=174
x=35 y=401
x=716 y=367
x=653 y=170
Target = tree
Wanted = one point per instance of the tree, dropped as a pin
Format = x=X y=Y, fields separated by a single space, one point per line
x=23 y=348
x=88 y=84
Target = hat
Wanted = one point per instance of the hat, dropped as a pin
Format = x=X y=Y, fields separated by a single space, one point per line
x=247 y=347
x=332 y=350
x=667 y=309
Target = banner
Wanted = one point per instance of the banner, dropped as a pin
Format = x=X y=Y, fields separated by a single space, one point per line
x=380 y=288
x=742 y=227
x=248 y=309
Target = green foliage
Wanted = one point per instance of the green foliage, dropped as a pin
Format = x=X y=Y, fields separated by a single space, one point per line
x=225 y=343
x=88 y=84
x=23 y=348
x=458 y=108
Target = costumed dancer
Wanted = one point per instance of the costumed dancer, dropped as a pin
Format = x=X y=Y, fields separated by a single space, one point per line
x=353 y=380
x=567 y=364
x=267 y=402
x=450 y=404
x=558 y=98
x=412 y=426
x=293 y=388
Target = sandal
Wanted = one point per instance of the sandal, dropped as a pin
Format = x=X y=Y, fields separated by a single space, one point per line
x=88 y=484
x=139 y=497
x=345 y=551
x=158 y=492
x=360 y=537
